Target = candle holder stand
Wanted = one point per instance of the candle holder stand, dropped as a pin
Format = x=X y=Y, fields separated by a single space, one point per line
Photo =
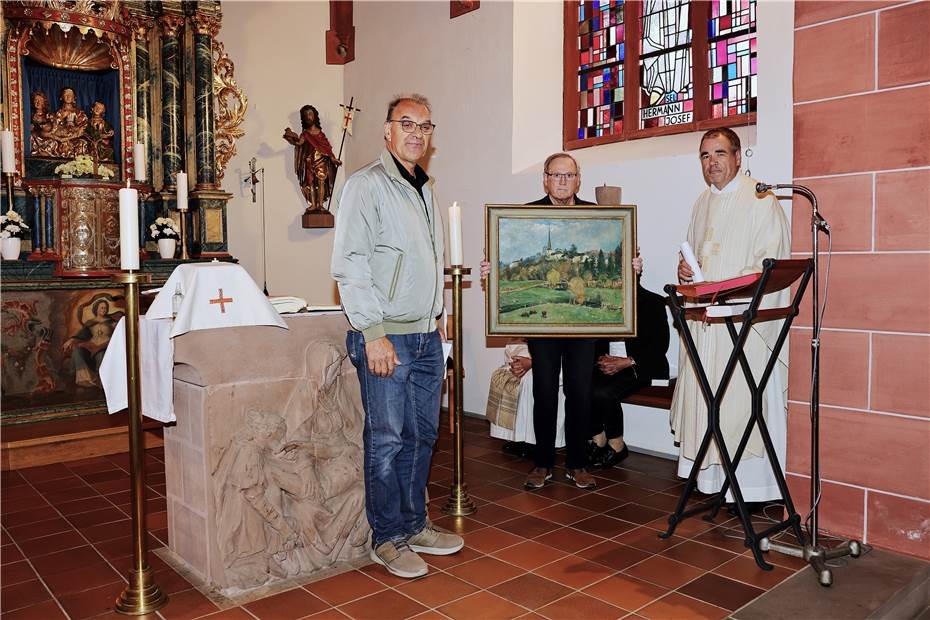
x=184 y=253
x=458 y=504
x=142 y=595
x=9 y=189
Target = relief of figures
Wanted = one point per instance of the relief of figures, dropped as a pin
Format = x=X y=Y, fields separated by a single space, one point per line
x=292 y=502
x=69 y=131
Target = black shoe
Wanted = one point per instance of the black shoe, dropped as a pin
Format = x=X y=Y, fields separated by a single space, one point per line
x=515 y=448
x=608 y=457
x=591 y=451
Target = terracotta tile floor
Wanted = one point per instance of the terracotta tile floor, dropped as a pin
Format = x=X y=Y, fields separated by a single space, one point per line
x=558 y=553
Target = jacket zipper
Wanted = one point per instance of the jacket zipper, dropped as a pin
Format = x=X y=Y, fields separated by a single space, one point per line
x=397 y=267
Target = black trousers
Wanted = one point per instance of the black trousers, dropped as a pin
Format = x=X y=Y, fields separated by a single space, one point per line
x=607 y=392
x=575 y=358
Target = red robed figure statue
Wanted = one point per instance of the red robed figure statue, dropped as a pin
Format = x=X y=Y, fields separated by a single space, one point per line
x=314 y=161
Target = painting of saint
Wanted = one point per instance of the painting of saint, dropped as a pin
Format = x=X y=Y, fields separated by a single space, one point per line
x=86 y=346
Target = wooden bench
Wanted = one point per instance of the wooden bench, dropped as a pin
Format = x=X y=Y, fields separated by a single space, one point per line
x=659 y=397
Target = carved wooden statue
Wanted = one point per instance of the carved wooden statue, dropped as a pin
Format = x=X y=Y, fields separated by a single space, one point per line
x=314 y=161
x=69 y=132
x=99 y=134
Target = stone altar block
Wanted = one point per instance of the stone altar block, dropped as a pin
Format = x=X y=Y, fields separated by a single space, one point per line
x=264 y=467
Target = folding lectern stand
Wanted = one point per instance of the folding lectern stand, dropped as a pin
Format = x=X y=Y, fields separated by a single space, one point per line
x=712 y=297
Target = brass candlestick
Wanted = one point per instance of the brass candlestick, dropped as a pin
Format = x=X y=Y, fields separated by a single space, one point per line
x=9 y=186
x=184 y=253
x=459 y=504
x=142 y=595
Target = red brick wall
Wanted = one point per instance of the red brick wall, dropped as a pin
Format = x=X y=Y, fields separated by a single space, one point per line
x=862 y=143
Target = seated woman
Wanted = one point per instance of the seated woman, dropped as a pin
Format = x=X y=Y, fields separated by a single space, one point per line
x=621 y=370
x=510 y=403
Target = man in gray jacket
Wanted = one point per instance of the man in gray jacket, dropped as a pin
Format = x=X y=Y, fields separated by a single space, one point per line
x=388 y=262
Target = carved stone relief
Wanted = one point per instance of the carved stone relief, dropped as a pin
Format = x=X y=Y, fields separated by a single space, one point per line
x=288 y=489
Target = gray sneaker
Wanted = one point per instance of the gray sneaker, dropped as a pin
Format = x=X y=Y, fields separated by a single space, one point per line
x=435 y=541
x=399 y=559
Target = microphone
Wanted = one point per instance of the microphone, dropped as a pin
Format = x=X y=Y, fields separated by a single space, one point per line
x=821 y=223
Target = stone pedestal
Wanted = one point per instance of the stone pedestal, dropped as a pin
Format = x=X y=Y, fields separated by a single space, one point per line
x=264 y=466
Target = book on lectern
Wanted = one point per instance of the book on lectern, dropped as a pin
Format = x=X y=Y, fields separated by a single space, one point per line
x=702 y=289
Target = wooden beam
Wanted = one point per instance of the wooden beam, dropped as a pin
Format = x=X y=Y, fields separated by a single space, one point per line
x=340 y=38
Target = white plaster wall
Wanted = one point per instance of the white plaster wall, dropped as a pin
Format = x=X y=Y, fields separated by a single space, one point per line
x=280 y=57
x=494 y=77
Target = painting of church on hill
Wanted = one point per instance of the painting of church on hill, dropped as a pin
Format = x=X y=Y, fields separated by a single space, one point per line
x=561 y=271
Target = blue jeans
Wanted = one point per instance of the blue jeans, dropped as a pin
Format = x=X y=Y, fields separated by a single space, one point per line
x=401 y=423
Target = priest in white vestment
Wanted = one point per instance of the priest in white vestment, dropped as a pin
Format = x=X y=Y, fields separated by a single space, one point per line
x=732 y=231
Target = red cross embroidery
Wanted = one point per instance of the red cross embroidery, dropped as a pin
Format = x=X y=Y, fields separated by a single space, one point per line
x=222 y=301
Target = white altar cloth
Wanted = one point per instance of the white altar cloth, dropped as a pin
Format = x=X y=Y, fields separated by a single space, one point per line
x=216 y=295
x=156 y=355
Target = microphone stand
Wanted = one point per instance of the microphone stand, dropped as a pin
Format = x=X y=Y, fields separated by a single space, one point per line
x=812 y=552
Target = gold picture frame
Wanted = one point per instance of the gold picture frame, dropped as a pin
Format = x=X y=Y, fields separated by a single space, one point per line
x=561 y=271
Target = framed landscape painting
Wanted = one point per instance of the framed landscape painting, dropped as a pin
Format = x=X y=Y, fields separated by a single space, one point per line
x=561 y=271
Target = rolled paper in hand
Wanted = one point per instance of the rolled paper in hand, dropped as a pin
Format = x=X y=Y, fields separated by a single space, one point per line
x=128 y=228
x=692 y=261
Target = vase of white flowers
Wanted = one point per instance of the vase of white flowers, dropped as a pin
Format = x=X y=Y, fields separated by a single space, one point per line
x=12 y=231
x=83 y=165
x=166 y=233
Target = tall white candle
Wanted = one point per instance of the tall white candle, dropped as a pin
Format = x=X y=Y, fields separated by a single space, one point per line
x=182 y=191
x=128 y=228
x=455 y=234
x=7 y=152
x=138 y=161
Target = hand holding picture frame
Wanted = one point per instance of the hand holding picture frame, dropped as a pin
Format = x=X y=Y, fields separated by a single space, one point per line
x=561 y=271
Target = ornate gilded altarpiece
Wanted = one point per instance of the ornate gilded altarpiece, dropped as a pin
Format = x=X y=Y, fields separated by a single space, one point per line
x=89 y=79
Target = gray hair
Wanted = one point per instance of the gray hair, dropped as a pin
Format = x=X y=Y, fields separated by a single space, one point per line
x=414 y=97
x=556 y=156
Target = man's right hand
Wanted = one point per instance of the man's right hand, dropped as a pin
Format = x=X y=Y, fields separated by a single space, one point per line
x=685 y=273
x=381 y=357
x=520 y=365
x=485 y=269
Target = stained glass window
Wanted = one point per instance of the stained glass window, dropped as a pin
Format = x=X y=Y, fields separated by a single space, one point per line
x=688 y=66
x=667 y=96
x=600 y=68
x=731 y=36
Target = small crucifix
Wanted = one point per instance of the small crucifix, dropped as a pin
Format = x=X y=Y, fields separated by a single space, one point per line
x=222 y=301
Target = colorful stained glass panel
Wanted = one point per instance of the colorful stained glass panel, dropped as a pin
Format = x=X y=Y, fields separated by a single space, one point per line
x=667 y=90
x=731 y=35
x=600 y=69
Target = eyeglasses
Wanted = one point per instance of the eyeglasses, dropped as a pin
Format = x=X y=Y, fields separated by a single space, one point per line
x=409 y=126
x=562 y=176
